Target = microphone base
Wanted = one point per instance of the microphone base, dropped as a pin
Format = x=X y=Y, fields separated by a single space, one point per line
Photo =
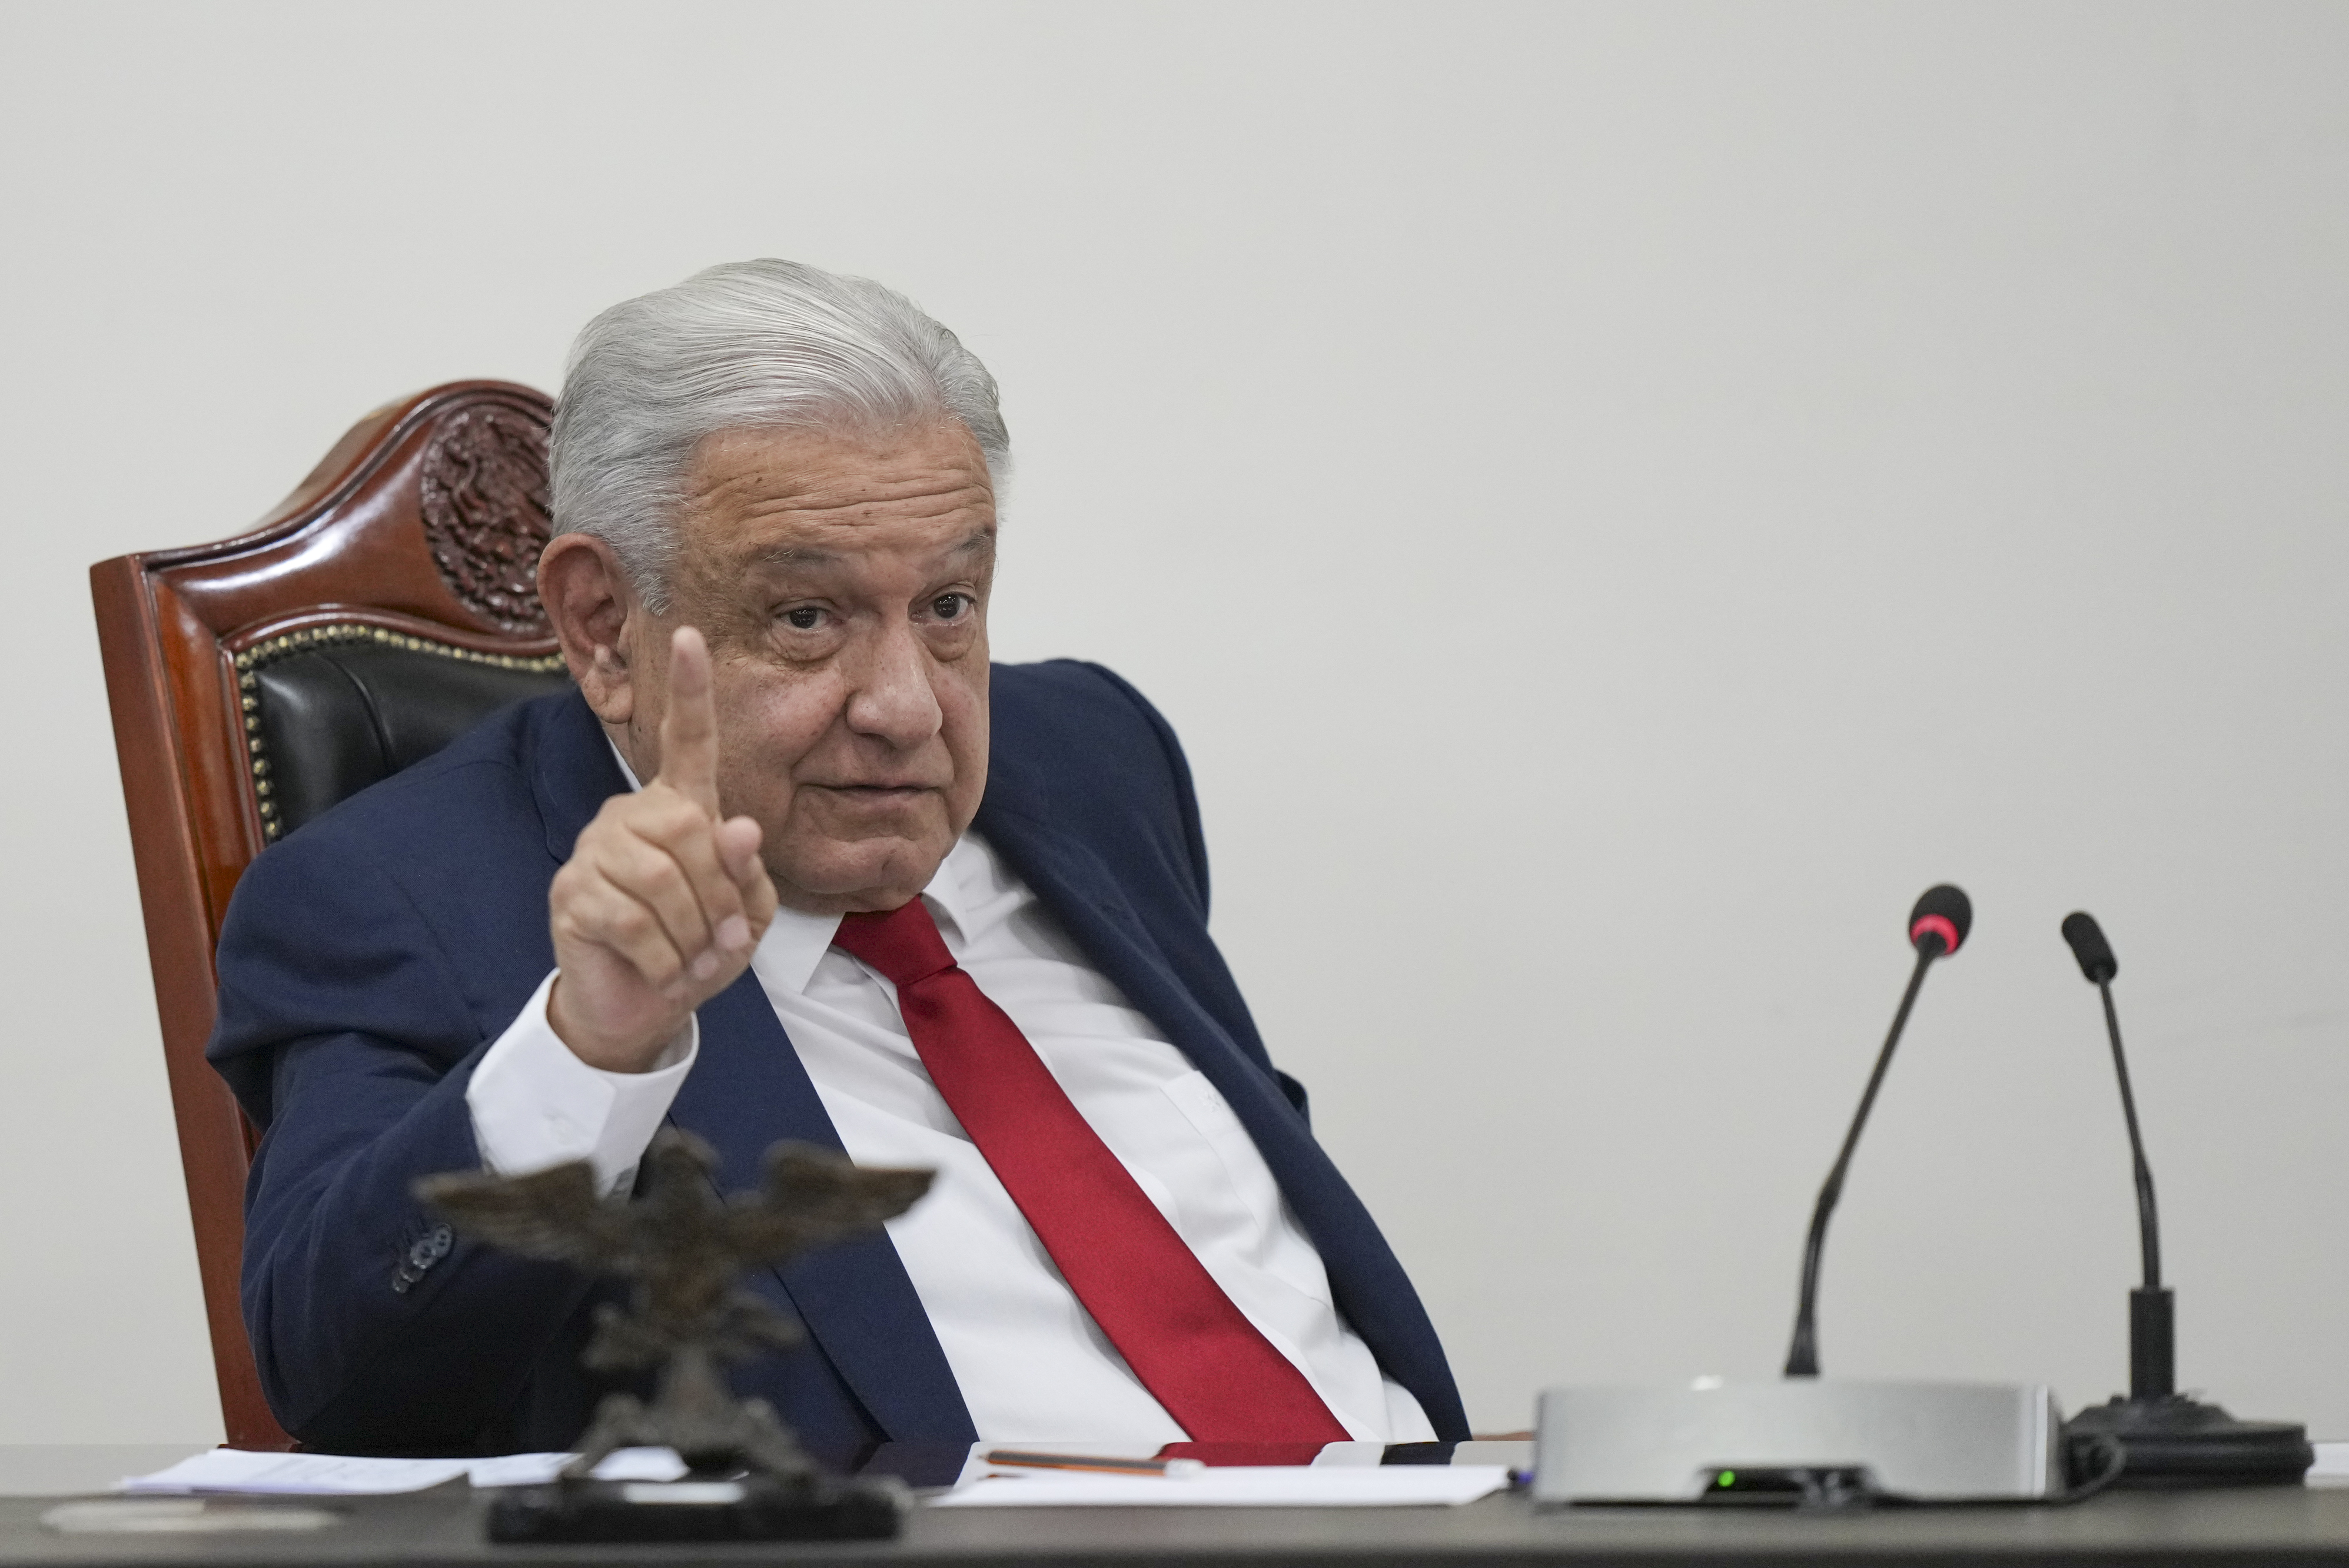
x=2176 y=1442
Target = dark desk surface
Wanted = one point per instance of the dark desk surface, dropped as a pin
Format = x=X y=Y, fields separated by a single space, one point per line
x=430 y=1530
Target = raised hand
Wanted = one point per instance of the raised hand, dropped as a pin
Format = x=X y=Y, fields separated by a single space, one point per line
x=662 y=899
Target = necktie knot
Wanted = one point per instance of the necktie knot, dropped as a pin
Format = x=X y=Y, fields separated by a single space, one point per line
x=903 y=943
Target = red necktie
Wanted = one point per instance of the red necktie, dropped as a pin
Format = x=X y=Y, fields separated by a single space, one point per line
x=1186 y=1342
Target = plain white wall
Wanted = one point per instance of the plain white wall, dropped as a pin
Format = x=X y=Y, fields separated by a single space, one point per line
x=1615 y=498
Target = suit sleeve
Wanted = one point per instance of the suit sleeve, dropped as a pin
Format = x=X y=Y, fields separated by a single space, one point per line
x=347 y=1034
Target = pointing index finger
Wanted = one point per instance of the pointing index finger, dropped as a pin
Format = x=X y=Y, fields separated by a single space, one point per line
x=690 y=727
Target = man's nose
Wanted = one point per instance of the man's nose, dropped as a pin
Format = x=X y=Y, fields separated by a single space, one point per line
x=892 y=699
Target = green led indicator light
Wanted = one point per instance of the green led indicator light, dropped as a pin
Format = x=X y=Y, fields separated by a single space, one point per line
x=1728 y=1477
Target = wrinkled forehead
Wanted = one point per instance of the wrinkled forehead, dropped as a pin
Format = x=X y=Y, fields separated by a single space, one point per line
x=834 y=466
x=802 y=500
x=954 y=550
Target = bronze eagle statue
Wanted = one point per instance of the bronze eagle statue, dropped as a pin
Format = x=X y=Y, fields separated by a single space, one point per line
x=684 y=1246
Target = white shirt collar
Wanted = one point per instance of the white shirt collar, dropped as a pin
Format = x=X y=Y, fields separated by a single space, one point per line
x=796 y=941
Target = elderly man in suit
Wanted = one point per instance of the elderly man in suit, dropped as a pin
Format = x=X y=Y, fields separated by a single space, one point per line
x=793 y=860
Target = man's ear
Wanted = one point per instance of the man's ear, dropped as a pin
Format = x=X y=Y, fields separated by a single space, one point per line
x=597 y=618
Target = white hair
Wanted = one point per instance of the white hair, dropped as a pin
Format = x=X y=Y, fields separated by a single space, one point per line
x=751 y=345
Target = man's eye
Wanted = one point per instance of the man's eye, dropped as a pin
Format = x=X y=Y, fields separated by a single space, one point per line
x=804 y=619
x=950 y=607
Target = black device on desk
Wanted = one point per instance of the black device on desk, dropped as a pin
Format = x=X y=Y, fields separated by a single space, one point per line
x=2167 y=1438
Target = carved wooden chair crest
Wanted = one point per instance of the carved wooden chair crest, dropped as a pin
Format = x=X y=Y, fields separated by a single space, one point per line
x=379 y=612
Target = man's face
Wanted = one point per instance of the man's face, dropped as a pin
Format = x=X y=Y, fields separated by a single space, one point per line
x=842 y=579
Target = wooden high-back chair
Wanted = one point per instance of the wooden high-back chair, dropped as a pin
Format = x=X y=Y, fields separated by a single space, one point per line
x=386 y=606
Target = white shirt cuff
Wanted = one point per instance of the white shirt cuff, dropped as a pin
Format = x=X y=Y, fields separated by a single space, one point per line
x=535 y=1104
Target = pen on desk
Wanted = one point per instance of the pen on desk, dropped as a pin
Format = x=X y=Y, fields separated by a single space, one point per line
x=1025 y=1459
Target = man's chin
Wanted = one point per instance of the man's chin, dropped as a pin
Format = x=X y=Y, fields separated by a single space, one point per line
x=869 y=874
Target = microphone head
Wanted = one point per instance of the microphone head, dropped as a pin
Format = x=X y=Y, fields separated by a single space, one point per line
x=2088 y=945
x=1945 y=914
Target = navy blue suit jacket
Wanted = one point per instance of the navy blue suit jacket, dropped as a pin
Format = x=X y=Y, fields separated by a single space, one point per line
x=369 y=960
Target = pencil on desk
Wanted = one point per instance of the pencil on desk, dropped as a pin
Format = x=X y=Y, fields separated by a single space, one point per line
x=1103 y=1463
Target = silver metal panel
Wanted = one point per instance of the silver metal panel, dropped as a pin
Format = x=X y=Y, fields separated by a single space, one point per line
x=1945 y=1440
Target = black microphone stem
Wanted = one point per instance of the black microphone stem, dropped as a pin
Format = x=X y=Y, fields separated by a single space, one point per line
x=2148 y=1229
x=2153 y=1333
x=2164 y=1438
x=1802 y=1354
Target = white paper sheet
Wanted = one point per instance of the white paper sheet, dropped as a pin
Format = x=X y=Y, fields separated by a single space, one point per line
x=1264 y=1486
x=298 y=1475
x=2332 y=1466
x=536 y=1470
x=338 y=1475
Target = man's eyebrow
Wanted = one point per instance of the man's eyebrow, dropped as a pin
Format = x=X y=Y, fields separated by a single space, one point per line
x=978 y=541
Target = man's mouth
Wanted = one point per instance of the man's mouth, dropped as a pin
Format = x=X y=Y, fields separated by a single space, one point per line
x=878 y=792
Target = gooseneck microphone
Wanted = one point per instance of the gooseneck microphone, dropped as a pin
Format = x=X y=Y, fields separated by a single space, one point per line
x=1936 y=928
x=2167 y=1441
x=2153 y=1358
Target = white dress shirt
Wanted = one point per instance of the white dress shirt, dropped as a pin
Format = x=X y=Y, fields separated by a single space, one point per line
x=1031 y=1364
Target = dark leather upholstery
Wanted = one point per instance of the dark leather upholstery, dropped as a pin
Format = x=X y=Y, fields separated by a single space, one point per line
x=339 y=717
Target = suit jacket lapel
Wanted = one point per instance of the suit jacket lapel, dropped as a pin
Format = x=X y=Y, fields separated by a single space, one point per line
x=1087 y=899
x=747 y=1090
x=572 y=771
x=1367 y=1282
